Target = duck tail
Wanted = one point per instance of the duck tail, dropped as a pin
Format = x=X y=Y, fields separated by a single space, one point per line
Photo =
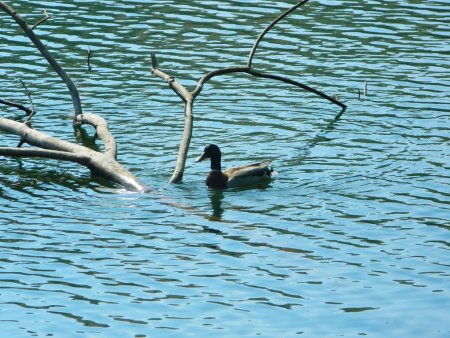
x=269 y=171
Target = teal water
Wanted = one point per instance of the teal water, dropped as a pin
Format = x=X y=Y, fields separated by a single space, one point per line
x=351 y=239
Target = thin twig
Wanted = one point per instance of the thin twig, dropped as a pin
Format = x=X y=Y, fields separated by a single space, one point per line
x=154 y=61
x=45 y=18
x=16 y=105
x=53 y=63
x=268 y=28
x=30 y=100
x=30 y=116
x=89 y=55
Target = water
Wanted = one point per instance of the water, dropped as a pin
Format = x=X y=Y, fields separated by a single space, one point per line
x=352 y=238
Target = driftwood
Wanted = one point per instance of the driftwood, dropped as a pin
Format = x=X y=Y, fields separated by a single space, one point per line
x=188 y=97
x=104 y=163
x=101 y=164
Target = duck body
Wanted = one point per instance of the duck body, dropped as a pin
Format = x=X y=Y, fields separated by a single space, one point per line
x=236 y=176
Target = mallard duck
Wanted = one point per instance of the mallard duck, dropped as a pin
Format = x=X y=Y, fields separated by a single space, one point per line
x=233 y=177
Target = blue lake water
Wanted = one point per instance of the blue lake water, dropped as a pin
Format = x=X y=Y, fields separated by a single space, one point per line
x=351 y=239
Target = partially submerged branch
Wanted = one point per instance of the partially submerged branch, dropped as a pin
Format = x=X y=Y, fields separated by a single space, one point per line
x=177 y=174
x=82 y=159
x=189 y=96
x=45 y=146
x=101 y=127
x=103 y=165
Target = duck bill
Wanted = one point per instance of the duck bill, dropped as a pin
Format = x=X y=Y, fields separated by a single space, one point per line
x=201 y=158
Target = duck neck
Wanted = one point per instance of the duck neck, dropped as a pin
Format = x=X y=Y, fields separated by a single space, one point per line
x=215 y=163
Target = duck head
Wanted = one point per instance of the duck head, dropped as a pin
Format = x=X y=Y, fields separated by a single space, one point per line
x=212 y=152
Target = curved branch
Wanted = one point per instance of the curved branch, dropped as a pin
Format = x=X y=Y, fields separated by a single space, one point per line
x=17 y=105
x=268 y=28
x=53 y=63
x=298 y=84
x=205 y=78
x=255 y=73
x=176 y=86
x=101 y=127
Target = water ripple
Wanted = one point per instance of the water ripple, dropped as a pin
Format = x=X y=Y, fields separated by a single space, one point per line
x=354 y=228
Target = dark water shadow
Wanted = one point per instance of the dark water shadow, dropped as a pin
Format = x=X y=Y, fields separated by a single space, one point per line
x=83 y=137
x=217 y=196
x=320 y=137
x=19 y=178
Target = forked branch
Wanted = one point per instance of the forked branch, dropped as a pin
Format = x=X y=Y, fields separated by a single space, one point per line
x=45 y=18
x=189 y=96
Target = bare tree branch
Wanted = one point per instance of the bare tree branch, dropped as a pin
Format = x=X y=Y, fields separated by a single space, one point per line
x=103 y=165
x=189 y=97
x=45 y=18
x=298 y=84
x=36 y=138
x=205 y=78
x=53 y=63
x=17 y=105
x=268 y=28
x=176 y=86
x=177 y=175
x=101 y=126
x=45 y=153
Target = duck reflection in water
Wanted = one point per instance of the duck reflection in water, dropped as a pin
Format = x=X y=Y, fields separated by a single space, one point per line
x=216 y=197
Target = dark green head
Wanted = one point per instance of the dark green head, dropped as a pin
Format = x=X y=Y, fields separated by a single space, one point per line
x=210 y=151
x=213 y=152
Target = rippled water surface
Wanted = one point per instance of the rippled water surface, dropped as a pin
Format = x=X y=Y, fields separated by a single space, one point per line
x=351 y=239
